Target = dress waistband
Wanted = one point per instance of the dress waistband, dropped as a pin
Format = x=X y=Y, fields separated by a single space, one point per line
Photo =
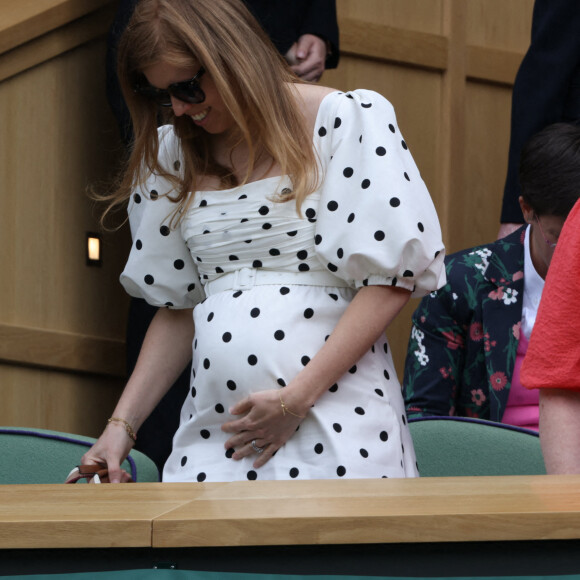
x=247 y=278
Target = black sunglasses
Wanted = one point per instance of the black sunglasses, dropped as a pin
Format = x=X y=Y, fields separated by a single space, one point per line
x=186 y=91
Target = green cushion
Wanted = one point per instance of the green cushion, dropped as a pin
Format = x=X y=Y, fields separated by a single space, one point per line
x=455 y=446
x=42 y=456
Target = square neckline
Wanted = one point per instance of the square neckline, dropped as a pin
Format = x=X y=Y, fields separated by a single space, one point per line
x=281 y=176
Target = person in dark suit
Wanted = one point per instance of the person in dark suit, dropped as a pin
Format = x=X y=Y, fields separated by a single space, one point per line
x=546 y=90
x=306 y=33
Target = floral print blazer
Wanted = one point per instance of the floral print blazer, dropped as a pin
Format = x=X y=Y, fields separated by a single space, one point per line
x=464 y=338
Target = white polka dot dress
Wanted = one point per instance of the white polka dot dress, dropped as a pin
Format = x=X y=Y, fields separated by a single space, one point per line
x=371 y=222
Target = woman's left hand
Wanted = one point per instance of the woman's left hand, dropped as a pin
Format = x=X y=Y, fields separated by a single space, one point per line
x=264 y=423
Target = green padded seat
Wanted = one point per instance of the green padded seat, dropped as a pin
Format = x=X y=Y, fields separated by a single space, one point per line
x=42 y=456
x=456 y=446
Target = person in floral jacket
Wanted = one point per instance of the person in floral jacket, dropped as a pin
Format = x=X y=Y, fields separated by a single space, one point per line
x=469 y=338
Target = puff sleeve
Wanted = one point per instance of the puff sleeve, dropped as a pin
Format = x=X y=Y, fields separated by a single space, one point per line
x=376 y=222
x=160 y=268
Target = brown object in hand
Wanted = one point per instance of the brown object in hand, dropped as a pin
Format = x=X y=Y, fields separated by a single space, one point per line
x=97 y=473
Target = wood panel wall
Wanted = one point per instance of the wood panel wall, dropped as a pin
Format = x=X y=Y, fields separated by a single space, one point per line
x=446 y=65
x=62 y=323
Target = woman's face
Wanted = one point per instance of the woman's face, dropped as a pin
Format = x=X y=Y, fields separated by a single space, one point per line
x=211 y=115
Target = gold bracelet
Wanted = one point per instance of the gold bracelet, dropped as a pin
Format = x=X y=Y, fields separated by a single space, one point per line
x=128 y=427
x=285 y=409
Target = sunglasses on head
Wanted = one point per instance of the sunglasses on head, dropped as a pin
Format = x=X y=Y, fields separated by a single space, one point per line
x=186 y=91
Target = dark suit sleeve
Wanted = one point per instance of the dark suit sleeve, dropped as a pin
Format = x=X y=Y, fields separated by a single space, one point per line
x=320 y=20
x=547 y=86
x=286 y=20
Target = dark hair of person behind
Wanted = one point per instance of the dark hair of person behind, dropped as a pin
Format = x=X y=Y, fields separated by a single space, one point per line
x=550 y=170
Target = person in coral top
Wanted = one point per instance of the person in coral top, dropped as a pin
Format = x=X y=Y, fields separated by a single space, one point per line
x=552 y=363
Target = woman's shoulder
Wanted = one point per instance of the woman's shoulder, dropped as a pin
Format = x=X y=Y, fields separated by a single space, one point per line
x=320 y=102
x=310 y=98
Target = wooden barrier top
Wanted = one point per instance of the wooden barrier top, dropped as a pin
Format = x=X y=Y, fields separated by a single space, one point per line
x=290 y=513
x=25 y=20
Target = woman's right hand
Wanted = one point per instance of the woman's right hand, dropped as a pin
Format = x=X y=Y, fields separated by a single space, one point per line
x=111 y=449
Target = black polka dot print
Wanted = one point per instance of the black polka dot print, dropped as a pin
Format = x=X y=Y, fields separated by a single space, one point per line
x=253 y=338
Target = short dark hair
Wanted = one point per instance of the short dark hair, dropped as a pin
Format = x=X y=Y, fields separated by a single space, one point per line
x=550 y=169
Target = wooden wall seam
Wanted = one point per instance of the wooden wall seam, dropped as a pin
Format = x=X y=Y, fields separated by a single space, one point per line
x=64 y=351
x=424 y=50
x=24 y=21
x=55 y=43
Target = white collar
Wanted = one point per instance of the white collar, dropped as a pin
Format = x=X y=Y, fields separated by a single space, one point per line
x=533 y=286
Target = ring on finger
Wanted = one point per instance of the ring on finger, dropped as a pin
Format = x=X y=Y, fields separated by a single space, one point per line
x=257 y=449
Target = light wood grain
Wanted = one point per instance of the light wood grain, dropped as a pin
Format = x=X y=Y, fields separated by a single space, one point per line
x=24 y=20
x=55 y=42
x=461 y=509
x=85 y=516
x=370 y=511
x=51 y=399
x=492 y=65
x=61 y=350
x=58 y=137
x=385 y=42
